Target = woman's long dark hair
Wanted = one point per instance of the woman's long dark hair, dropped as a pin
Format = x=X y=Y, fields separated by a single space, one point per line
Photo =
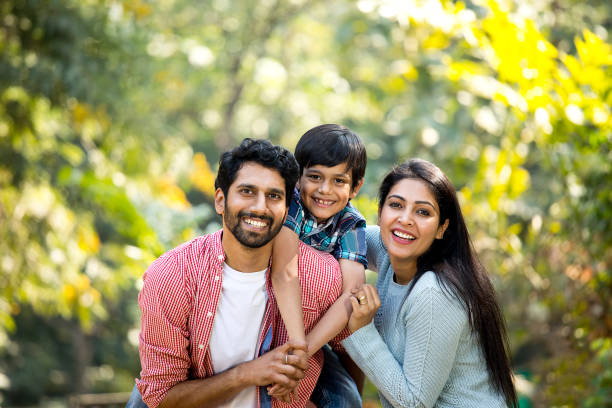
x=457 y=267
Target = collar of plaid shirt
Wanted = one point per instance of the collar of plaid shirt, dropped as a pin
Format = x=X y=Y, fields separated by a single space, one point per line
x=197 y=266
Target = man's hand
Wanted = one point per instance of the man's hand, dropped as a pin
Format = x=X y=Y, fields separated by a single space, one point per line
x=281 y=391
x=279 y=366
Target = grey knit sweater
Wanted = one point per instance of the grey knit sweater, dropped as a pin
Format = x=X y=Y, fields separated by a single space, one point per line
x=420 y=351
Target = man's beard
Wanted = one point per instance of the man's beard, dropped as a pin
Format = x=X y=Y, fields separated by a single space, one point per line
x=250 y=239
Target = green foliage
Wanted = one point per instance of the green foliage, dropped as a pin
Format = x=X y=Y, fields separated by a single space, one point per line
x=112 y=115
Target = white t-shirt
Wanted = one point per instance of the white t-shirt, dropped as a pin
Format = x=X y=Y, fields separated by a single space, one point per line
x=237 y=325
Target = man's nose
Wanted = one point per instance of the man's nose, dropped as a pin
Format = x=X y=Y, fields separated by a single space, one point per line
x=259 y=205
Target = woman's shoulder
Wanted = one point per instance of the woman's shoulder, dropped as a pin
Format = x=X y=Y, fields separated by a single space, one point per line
x=429 y=286
x=373 y=239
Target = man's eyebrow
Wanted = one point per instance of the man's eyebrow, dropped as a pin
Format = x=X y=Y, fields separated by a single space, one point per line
x=277 y=191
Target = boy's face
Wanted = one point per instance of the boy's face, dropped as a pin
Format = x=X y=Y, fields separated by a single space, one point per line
x=325 y=191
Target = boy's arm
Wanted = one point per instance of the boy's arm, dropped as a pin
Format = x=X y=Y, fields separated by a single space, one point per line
x=336 y=317
x=276 y=366
x=286 y=283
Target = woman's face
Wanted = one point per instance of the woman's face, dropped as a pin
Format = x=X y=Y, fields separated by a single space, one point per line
x=409 y=220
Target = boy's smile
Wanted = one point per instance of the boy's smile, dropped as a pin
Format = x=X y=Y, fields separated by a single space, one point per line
x=325 y=190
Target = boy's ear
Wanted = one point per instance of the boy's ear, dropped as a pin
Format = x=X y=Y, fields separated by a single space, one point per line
x=219 y=201
x=356 y=189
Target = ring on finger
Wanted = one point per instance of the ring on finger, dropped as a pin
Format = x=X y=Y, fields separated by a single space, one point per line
x=362 y=300
x=287 y=358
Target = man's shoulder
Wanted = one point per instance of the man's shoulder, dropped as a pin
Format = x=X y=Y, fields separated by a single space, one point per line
x=310 y=257
x=190 y=253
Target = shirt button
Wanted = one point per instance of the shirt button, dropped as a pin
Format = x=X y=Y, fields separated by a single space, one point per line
x=209 y=314
x=201 y=346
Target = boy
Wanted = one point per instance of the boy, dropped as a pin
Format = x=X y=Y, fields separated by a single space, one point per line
x=332 y=162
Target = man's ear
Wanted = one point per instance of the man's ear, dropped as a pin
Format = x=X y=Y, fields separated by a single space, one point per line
x=441 y=229
x=219 y=201
x=356 y=189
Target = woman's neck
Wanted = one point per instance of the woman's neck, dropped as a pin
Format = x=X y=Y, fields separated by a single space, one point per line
x=404 y=270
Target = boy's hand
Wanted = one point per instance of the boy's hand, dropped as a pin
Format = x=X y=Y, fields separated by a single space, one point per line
x=365 y=302
x=284 y=392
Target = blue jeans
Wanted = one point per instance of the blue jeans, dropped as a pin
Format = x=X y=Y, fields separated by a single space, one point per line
x=135 y=400
x=335 y=388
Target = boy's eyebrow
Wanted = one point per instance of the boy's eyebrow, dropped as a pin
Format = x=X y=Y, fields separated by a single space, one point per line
x=345 y=174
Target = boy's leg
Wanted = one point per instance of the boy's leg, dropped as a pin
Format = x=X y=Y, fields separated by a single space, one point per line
x=135 y=400
x=335 y=388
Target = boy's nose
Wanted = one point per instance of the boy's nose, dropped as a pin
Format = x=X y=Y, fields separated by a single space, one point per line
x=324 y=187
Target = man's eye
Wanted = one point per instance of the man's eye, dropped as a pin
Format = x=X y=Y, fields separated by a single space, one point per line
x=246 y=191
x=274 y=196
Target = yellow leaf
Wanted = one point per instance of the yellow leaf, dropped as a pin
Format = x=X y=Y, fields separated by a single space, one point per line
x=202 y=176
x=519 y=182
x=88 y=240
x=172 y=195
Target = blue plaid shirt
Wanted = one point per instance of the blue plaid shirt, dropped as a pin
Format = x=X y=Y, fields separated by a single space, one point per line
x=343 y=235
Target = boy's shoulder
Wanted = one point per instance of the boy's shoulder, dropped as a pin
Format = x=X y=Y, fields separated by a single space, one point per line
x=350 y=218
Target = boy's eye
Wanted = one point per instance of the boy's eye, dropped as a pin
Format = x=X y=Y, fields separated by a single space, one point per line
x=341 y=181
x=314 y=176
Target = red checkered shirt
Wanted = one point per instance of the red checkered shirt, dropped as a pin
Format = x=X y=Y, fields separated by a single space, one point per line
x=179 y=299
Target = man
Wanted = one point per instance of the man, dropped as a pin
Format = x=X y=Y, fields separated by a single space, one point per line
x=209 y=317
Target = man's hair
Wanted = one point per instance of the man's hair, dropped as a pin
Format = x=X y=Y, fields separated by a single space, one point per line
x=330 y=145
x=262 y=152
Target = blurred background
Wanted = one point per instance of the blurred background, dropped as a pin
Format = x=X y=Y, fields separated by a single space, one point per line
x=113 y=114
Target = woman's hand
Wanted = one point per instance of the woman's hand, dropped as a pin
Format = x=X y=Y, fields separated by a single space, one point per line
x=365 y=303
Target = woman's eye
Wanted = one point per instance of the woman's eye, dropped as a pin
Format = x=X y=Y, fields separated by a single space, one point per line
x=394 y=204
x=423 y=211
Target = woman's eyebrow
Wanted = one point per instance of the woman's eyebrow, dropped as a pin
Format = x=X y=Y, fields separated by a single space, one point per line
x=399 y=197
x=426 y=202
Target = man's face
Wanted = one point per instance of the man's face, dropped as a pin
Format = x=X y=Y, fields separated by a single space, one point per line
x=255 y=207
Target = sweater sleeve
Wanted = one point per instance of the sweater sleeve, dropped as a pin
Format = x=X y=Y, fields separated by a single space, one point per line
x=432 y=329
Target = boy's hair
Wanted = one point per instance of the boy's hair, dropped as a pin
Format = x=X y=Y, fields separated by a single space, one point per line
x=261 y=152
x=330 y=145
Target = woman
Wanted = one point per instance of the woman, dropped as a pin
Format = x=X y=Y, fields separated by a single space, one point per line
x=436 y=336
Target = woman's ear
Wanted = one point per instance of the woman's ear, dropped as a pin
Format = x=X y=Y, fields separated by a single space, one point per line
x=441 y=229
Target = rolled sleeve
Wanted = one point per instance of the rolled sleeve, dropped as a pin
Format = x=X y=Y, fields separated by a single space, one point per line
x=164 y=335
x=352 y=245
x=295 y=214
